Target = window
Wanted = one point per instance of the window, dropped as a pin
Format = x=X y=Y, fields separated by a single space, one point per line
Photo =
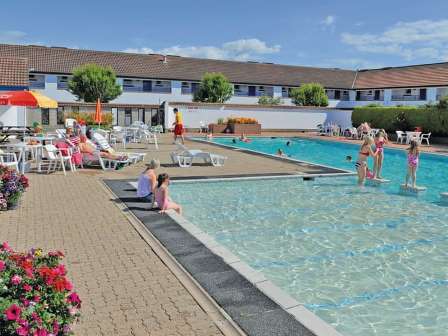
x=358 y=95
x=185 y=88
x=141 y=114
x=63 y=82
x=154 y=117
x=252 y=91
x=147 y=86
x=45 y=116
x=37 y=81
x=377 y=95
x=75 y=109
x=60 y=116
x=194 y=87
x=127 y=117
x=114 y=116
x=408 y=91
x=422 y=95
x=337 y=94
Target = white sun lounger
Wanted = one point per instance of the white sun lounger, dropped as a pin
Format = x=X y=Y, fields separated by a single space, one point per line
x=134 y=157
x=184 y=157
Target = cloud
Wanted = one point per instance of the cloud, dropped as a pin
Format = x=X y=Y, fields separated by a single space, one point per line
x=328 y=23
x=424 y=39
x=242 y=50
x=12 y=36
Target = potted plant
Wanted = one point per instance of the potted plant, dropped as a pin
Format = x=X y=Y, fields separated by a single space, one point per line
x=241 y=125
x=219 y=127
x=12 y=187
x=36 y=297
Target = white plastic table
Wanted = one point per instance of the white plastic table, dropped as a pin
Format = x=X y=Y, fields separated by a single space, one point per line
x=412 y=135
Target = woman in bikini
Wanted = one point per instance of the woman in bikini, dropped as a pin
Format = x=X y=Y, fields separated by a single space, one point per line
x=380 y=140
x=361 y=163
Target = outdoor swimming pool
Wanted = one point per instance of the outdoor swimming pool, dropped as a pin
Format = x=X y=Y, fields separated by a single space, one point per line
x=432 y=171
x=367 y=261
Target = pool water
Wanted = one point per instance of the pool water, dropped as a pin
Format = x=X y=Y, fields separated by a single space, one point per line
x=366 y=260
x=432 y=171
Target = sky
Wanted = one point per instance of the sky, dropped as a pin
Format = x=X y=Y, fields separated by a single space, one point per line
x=352 y=34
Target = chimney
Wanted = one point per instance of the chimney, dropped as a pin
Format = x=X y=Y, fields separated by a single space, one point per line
x=165 y=60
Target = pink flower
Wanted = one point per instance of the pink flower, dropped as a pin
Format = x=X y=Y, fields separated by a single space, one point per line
x=72 y=311
x=27 y=288
x=74 y=299
x=16 y=279
x=41 y=332
x=60 y=270
x=13 y=312
x=2 y=265
x=5 y=246
x=22 y=331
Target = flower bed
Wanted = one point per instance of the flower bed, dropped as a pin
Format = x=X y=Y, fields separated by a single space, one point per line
x=12 y=186
x=36 y=298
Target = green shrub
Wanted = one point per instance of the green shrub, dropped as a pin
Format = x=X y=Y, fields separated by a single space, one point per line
x=214 y=88
x=266 y=100
x=311 y=94
x=430 y=119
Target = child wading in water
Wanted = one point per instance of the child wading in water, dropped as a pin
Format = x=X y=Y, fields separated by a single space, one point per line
x=161 y=195
x=413 y=156
x=380 y=140
x=361 y=164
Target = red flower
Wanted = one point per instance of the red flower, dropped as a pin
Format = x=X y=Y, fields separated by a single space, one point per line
x=5 y=246
x=2 y=265
x=13 y=312
x=27 y=288
x=41 y=332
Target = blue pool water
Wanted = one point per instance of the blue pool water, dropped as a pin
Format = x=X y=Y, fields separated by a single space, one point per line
x=432 y=172
x=366 y=260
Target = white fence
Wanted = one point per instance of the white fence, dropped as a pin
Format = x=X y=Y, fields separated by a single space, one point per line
x=270 y=118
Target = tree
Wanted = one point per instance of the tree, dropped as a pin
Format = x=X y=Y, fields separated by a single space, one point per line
x=214 y=88
x=266 y=100
x=312 y=94
x=91 y=81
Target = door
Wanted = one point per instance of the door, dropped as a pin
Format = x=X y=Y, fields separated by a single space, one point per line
x=141 y=115
x=337 y=94
x=377 y=94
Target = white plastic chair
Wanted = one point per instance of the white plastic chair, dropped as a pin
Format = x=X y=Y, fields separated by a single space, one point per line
x=425 y=137
x=9 y=160
x=401 y=136
x=149 y=138
x=51 y=157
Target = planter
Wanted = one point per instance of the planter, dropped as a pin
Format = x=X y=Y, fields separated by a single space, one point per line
x=245 y=128
x=217 y=128
x=13 y=206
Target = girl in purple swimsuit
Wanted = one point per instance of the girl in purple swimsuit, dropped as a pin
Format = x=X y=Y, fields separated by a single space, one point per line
x=413 y=156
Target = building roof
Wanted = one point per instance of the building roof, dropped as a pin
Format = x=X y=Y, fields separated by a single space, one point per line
x=64 y=60
x=403 y=77
x=13 y=72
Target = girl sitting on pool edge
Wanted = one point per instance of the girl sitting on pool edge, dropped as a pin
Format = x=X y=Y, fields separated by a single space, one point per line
x=161 y=195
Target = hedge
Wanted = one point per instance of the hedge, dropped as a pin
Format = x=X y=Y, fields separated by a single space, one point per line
x=430 y=118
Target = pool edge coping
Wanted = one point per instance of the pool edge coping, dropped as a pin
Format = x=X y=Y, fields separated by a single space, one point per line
x=307 y=318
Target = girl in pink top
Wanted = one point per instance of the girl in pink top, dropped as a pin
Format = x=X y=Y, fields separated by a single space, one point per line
x=413 y=156
x=163 y=200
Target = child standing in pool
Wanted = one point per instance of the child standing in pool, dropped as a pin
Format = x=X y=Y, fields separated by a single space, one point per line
x=413 y=157
x=361 y=164
x=380 y=140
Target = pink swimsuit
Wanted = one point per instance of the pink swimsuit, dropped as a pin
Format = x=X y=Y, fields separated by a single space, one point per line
x=379 y=146
x=412 y=160
x=163 y=202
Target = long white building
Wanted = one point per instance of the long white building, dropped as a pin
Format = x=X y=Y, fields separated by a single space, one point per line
x=150 y=80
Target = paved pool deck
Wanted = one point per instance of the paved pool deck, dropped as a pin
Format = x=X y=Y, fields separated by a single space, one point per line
x=126 y=286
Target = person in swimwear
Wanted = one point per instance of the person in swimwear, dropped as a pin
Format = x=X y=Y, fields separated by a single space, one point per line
x=380 y=140
x=361 y=164
x=164 y=202
x=413 y=157
x=243 y=138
